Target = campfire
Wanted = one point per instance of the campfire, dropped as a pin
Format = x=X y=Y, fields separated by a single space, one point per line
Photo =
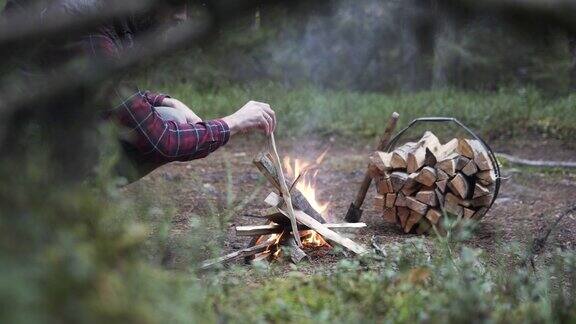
x=305 y=180
x=274 y=240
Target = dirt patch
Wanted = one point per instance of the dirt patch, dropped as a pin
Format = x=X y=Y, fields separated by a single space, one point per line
x=528 y=202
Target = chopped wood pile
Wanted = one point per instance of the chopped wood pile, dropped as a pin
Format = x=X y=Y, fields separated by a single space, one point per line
x=417 y=181
x=275 y=238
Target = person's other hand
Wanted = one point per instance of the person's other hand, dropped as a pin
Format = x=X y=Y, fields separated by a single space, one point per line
x=253 y=116
x=191 y=117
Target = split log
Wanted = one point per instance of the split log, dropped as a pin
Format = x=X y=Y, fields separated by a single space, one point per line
x=433 y=215
x=390 y=200
x=379 y=202
x=400 y=154
x=400 y=200
x=389 y=215
x=403 y=214
x=465 y=148
x=258 y=230
x=373 y=172
x=461 y=162
x=264 y=163
x=414 y=218
x=483 y=161
x=441 y=175
x=398 y=179
x=459 y=185
x=415 y=159
x=457 y=200
x=429 y=158
x=486 y=177
x=448 y=165
x=447 y=149
x=468 y=213
x=480 y=191
x=482 y=201
x=470 y=168
x=381 y=160
x=427 y=197
x=442 y=185
x=426 y=176
x=384 y=185
x=416 y=206
x=411 y=185
x=417 y=156
x=452 y=206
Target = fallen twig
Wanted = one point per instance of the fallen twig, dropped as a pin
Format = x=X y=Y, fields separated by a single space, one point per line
x=537 y=163
x=539 y=243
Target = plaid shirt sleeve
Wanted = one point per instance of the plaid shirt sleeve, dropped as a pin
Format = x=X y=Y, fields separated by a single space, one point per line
x=157 y=140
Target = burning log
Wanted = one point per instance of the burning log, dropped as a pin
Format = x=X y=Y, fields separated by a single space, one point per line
x=428 y=178
x=257 y=230
x=264 y=163
x=313 y=224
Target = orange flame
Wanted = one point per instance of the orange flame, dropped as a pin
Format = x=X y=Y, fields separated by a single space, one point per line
x=312 y=239
x=307 y=184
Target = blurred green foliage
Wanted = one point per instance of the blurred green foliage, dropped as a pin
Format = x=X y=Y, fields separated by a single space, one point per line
x=416 y=281
x=382 y=46
x=304 y=111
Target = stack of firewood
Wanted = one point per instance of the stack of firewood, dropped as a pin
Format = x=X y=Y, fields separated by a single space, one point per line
x=419 y=182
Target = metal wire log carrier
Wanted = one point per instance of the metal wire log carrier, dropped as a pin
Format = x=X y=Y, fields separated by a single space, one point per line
x=417 y=199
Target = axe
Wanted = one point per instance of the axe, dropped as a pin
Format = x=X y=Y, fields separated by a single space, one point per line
x=354 y=212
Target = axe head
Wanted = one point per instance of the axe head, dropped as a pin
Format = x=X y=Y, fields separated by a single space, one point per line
x=354 y=214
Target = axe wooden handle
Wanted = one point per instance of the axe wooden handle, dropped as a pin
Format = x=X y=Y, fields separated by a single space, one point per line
x=381 y=146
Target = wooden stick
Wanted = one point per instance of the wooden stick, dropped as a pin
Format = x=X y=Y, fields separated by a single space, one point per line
x=240 y=253
x=254 y=230
x=537 y=163
x=285 y=191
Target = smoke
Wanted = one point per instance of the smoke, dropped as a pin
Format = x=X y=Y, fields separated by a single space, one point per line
x=343 y=45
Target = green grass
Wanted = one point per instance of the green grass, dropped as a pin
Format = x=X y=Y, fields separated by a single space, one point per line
x=417 y=281
x=307 y=110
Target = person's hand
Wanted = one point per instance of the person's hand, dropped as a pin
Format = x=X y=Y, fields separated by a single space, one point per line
x=191 y=117
x=253 y=116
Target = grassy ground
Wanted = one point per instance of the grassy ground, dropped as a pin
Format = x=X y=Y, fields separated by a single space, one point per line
x=429 y=279
x=308 y=110
x=415 y=281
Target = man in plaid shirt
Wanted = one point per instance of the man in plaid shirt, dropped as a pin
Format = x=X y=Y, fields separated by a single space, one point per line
x=157 y=129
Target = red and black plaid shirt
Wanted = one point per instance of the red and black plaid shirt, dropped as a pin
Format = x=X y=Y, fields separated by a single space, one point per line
x=154 y=139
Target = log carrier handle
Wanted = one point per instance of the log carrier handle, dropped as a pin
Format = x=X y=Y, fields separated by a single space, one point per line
x=493 y=159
